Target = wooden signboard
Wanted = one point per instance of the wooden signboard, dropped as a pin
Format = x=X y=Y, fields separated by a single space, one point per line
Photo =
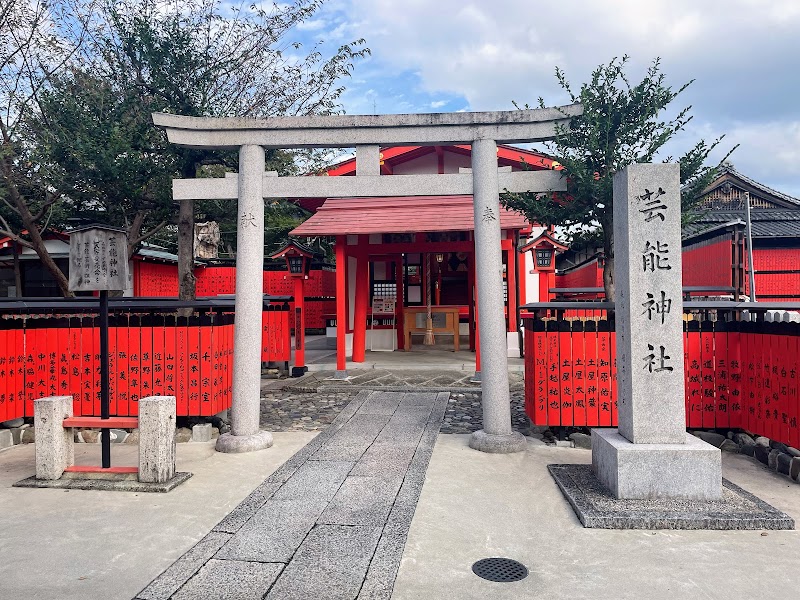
x=98 y=259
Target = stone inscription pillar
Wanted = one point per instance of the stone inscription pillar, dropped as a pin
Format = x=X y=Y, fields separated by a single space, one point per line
x=245 y=435
x=651 y=455
x=496 y=435
x=649 y=305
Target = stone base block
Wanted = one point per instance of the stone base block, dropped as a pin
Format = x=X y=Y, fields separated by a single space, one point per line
x=690 y=471
x=105 y=485
x=498 y=444
x=54 y=450
x=595 y=507
x=201 y=432
x=234 y=444
x=156 y=439
x=6 y=438
x=299 y=371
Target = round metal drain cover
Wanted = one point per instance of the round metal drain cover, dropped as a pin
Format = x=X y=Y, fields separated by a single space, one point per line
x=500 y=569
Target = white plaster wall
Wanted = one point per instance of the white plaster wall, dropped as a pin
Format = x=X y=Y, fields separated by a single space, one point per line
x=531 y=277
x=531 y=280
x=424 y=164
x=53 y=247
x=453 y=161
x=429 y=164
x=512 y=344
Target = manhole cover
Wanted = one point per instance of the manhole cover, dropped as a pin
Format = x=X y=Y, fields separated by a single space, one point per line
x=500 y=569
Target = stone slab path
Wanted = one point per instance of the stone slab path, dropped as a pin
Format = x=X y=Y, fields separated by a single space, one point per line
x=331 y=522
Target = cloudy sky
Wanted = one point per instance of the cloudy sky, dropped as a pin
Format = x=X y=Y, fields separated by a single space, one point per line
x=450 y=55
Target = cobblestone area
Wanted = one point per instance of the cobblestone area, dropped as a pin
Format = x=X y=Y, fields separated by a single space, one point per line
x=309 y=411
x=294 y=411
x=465 y=415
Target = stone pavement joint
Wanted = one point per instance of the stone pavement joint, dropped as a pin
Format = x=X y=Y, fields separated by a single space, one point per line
x=332 y=521
x=444 y=380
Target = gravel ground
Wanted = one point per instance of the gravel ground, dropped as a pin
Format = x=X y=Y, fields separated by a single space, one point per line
x=302 y=411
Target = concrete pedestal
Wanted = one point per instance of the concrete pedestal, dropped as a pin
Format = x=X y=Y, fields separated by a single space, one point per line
x=688 y=471
x=156 y=439
x=54 y=450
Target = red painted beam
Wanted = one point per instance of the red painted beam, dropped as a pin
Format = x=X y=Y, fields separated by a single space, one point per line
x=110 y=423
x=97 y=469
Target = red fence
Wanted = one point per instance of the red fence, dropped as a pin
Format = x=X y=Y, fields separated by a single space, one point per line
x=320 y=290
x=738 y=375
x=275 y=334
x=189 y=358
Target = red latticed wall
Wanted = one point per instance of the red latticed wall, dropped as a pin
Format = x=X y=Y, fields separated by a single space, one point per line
x=777 y=273
x=320 y=284
x=191 y=359
x=213 y=281
x=738 y=375
x=588 y=275
x=155 y=279
x=708 y=265
x=320 y=289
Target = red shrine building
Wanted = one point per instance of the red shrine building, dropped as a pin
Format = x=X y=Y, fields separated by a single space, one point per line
x=397 y=255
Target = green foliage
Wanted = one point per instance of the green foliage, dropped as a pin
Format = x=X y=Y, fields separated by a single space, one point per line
x=95 y=143
x=621 y=124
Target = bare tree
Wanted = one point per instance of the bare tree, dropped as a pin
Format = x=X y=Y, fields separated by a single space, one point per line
x=37 y=40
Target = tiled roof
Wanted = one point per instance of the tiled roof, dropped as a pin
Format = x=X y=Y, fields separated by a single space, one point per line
x=351 y=216
x=767 y=223
x=759 y=186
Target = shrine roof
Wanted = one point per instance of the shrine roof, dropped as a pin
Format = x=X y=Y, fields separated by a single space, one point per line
x=406 y=214
x=767 y=223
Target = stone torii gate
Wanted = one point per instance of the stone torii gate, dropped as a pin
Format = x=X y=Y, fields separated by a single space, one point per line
x=367 y=133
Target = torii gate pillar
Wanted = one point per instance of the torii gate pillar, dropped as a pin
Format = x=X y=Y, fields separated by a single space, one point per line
x=245 y=435
x=496 y=435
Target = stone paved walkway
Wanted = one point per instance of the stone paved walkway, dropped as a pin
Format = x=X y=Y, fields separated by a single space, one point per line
x=331 y=522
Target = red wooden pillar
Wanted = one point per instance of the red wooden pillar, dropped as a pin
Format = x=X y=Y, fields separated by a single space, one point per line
x=361 y=303
x=341 y=305
x=473 y=321
x=544 y=294
x=299 y=325
x=399 y=291
x=511 y=286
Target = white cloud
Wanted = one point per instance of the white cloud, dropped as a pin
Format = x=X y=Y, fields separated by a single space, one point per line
x=478 y=55
x=312 y=25
x=742 y=53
